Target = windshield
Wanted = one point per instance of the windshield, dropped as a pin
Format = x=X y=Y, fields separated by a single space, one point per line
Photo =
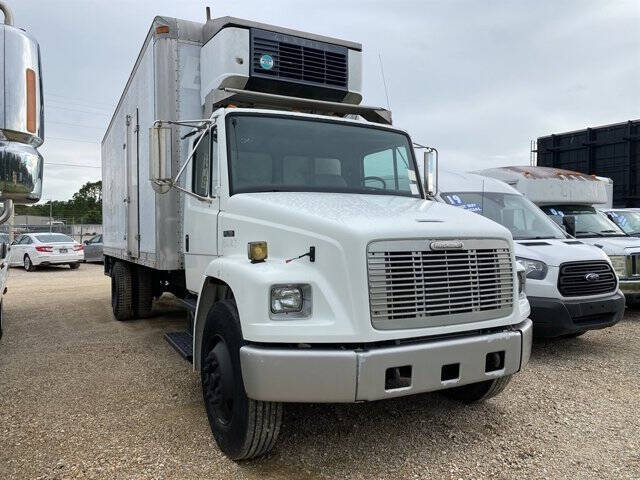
x=53 y=238
x=276 y=154
x=626 y=220
x=519 y=215
x=589 y=222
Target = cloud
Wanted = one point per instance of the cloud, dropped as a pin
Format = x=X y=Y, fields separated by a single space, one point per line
x=478 y=79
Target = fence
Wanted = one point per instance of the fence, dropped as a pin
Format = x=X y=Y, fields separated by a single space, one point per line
x=78 y=232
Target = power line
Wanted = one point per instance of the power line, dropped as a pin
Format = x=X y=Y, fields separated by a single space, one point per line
x=71 y=165
x=74 y=140
x=79 y=101
x=73 y=124
x=78 y=110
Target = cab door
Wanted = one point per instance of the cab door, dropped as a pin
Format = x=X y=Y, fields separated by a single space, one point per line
x=200 y=242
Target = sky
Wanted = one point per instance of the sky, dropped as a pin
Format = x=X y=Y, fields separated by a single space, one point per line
x=477 y=79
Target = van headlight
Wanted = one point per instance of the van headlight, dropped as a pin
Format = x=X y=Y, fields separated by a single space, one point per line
x=535 y=269
x=619 y=263
x=291 y=300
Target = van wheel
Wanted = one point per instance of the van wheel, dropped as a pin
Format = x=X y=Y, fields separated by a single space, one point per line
x=143 y=292
x=121 y=302
x=28 y=264
x=478 y=392
x=243 y=428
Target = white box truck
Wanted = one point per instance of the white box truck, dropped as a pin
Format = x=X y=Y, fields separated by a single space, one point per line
x=571 y=285
x=233 y=179
x=574 y=200
x=21 y=129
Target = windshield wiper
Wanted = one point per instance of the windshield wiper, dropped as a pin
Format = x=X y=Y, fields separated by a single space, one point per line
x=597 y=234
x=532 y=238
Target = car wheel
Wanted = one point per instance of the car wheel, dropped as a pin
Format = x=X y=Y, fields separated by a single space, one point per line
x=74 y=266
x=121 y=282
x=28 y=264
x=243 y=428
x=478 y=392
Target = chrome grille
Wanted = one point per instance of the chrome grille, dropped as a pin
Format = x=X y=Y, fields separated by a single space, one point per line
x=411 y=288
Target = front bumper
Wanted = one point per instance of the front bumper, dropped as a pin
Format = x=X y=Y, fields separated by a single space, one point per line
x=631 y=289
x=345 y=376
x=554 y=318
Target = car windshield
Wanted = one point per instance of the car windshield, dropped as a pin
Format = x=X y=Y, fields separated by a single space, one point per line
x=48 y=238
x=628 y=221
x=519 y=215
x=589 y=221
x=275 y=154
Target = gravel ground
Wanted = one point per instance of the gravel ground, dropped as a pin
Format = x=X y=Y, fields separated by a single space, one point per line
x=85 y=396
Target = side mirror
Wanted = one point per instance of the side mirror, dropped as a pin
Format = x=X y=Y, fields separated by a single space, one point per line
x=160 y=158
x=430 y=168
x=3 y=250
x=569 y=223
x=13 y=243
x=86 y=242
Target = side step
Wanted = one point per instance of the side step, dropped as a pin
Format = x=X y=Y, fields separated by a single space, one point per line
x=182 y=342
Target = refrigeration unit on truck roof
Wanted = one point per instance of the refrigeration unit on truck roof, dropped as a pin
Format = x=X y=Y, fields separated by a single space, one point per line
x=553 y=186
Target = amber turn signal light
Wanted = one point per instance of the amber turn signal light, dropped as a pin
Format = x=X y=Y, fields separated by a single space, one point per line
x=257 y=251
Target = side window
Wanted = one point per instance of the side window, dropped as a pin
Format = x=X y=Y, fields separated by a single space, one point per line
x=201 y=176
x=24 y=240
x=387 y=170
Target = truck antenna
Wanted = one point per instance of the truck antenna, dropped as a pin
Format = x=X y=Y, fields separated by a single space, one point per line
x=384 y=81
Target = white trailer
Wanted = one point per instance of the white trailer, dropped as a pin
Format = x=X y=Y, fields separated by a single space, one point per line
x=575 y=200
x=316 y=267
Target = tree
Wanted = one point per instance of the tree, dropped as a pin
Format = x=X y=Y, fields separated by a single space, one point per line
x=85 y=206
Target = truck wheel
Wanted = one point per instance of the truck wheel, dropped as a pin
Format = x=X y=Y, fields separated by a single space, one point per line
x=121 y=301
x=243 y=428
x=143 y=292
x=74 y=266
x=478 y=392
x=28 y=264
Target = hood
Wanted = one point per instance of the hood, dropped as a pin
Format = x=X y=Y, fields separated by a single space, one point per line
x=555 y=251
x=615 y=245
x=370 y=216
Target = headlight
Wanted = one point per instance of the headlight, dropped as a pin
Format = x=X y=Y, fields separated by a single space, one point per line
x=534 y=269
x=522 y=282
x=294 y=300
x=619 y=263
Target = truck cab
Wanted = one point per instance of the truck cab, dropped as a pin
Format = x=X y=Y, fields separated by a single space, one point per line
x=291 y=221
x=563 y=302
x=574 y=200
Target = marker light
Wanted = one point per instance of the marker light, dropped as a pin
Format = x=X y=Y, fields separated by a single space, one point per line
x=257 y=251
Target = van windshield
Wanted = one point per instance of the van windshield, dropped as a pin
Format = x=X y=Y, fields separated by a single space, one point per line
x=519 y=215
x=279 y=154
x=589 y=221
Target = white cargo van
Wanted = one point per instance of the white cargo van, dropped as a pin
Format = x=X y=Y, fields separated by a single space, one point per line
x=574 y=200
x=233 y=179
x=571 y=285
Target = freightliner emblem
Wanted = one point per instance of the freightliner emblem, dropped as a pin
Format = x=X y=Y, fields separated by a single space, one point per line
x=446 y=245
x=592 y=277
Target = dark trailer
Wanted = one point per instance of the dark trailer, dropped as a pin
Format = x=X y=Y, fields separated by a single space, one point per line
x=607 y=151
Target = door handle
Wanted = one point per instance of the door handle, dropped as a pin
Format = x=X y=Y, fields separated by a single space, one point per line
x=186 y=243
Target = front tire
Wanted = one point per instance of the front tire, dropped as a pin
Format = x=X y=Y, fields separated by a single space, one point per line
x=243 y=428
x=28 y=264
x=478 y=392
x=121 y=291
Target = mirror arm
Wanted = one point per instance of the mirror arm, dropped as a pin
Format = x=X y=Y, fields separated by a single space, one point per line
x=194 y=195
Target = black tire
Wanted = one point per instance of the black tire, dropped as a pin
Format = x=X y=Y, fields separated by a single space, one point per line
x=478 y=392
x=142 y=292
x=74 y=266
x=243 y=428
x=28 y=264
x=121 y=291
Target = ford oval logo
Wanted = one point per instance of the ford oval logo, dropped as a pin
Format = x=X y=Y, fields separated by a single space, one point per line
x=592 y=277
x=446 y=245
